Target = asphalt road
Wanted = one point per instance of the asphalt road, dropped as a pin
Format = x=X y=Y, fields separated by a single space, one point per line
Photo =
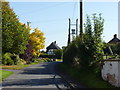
x=36 y=76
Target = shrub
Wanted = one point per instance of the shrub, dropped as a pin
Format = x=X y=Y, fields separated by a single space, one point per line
x=10 y=62
x=115 y=48
x=58 y=53
x=15 y=58
x=21 y=62
x=7 y=59
x=69 y=53
x=35 y=60
x=4 y=62
x=87 y=46
x=12 y=59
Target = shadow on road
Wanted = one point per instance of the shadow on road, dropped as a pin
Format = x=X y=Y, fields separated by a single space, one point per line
x=46 y=68
x=35 y=76
x=33 y=82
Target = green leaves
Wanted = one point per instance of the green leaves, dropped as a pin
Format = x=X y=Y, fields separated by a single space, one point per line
x=89 y=48
x=93 y=40
x=14 y=34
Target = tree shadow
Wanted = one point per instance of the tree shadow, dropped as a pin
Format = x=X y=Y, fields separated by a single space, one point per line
x=43 y=69
x=47 y=68
x=33 y=82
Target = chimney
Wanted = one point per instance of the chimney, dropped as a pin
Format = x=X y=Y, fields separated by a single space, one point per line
x=115 y=36
x=55 y=42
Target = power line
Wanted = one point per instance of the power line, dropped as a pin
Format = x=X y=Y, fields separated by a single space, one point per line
x=52 y=20
x=43 y=9
x=74 y=10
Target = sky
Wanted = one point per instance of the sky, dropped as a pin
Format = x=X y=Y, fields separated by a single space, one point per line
x=52 y=17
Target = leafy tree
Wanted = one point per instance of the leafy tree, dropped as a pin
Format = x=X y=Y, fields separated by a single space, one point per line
x=92 y=39
x=37 y=40
x=58 y=53
x=14 y=34
x=90 y=47
x=69 y=53
x=27 y=56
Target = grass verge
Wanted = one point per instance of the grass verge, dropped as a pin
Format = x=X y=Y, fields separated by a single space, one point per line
x=14 y=67
x=4 y=74
x=17 y=67
x=85 y=77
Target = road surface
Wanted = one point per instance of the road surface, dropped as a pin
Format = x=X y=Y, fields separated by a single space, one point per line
x=36 y=76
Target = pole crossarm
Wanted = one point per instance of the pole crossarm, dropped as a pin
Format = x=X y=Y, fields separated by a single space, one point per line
x=73 y=24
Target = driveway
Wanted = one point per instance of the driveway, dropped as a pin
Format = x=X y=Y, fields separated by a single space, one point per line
x=36 y=76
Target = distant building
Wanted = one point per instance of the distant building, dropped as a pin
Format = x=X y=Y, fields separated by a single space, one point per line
x=53 y=46
x=114 y=40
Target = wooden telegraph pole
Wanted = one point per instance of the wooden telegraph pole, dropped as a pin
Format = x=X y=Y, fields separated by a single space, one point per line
x=69 y=31
x=81 y=18
x=76 y=27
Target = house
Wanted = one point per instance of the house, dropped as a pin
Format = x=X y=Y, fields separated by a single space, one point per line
x=114 y=40
x=52 y=47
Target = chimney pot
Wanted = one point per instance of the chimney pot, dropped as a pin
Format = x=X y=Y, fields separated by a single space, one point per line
x=115 y=36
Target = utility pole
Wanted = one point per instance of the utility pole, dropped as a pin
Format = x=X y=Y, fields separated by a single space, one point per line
x=73 y=31
x=69 y=31
x=76 y=27
x=81 y=18
x=28 y=24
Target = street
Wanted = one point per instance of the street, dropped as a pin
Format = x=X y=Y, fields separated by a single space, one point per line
x=36 y=76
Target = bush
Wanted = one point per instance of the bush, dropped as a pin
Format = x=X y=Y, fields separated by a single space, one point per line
x=21 y=62
x=88 y=46
x=36 y=60
x=58 y=53
x=12 y=59
x=70 y=53
x=10 y=62
x=6 y=60
x=15 y=58
x=115 y=48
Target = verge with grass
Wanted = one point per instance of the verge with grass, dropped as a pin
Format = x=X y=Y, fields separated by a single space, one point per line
x=85 y=77
x=14 y=67
x=4 y=74
x=18 y=67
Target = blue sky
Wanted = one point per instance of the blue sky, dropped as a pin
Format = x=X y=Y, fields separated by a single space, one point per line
x=52 y=17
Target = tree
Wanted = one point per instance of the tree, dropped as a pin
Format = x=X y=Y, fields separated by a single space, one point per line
x=14 y=34
x=37 y=40
x=58 y=53
x=92 y=41
x=90 y=47
x=27 y=56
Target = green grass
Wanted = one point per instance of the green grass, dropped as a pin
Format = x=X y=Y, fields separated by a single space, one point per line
x=18 y=67
x=59 y=60
x=4 y=74
x=14 y=67
x=111 y=56
x=85 y=77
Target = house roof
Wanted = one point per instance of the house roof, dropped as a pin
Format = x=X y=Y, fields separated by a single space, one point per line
x=115 y=39
x=53 y=45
